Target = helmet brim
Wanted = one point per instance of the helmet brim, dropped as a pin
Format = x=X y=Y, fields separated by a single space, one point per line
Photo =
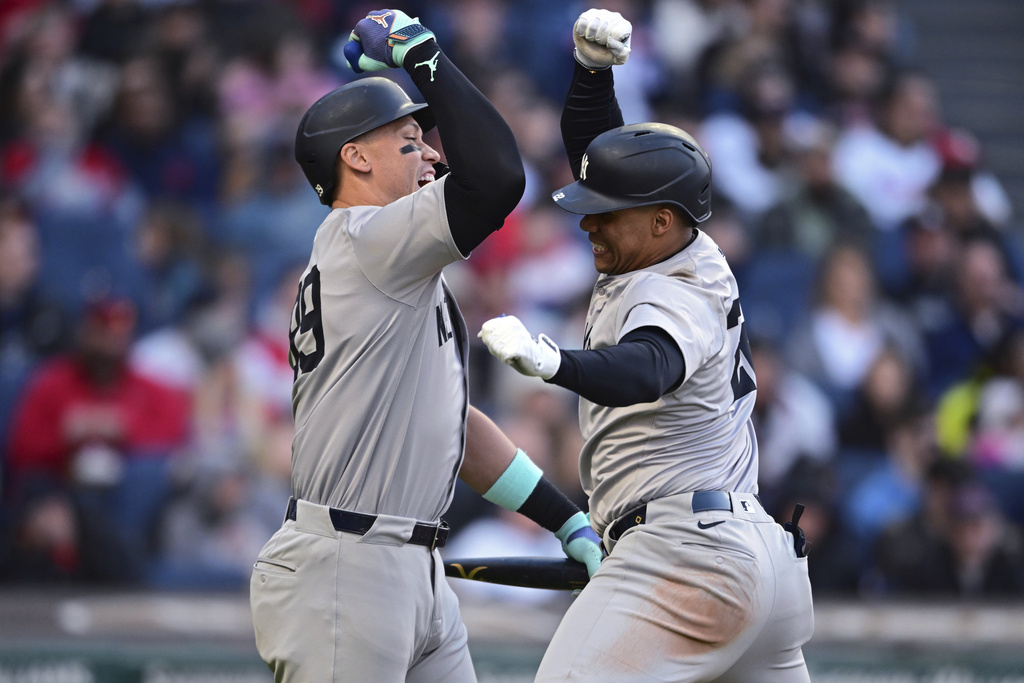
x=580 y=199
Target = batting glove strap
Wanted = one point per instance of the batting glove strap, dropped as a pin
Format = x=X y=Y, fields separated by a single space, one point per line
x=580 y=542
x=381 y=40
x=601 y=38
x=509 y=341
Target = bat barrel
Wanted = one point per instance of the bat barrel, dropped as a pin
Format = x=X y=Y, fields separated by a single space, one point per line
x=529 y=572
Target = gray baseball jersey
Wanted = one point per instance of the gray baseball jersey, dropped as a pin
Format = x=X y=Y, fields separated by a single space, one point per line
x=700 y=594
x=380 y=394
x=698 y=437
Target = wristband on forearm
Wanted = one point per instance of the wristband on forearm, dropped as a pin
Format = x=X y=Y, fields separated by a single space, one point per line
x=522 y=488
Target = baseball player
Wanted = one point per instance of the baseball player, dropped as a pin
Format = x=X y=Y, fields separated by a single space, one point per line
x=699 y=584
x=351 y=587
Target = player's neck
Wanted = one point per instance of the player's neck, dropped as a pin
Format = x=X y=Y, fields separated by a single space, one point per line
x=359 y=192
x=676 y=245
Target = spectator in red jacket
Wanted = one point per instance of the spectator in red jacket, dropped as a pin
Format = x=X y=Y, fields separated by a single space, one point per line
x=88 y=437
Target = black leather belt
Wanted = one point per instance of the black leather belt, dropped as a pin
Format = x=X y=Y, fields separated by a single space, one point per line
x=430 y=535
x=702 y=502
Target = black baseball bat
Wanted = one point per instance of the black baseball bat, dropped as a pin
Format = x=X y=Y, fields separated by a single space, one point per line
x=551 y=573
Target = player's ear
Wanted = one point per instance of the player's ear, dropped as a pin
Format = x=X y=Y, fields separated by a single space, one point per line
x=354 y=156
x=662 y=220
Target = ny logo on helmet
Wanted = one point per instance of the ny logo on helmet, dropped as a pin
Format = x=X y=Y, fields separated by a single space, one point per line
x=319 y=190
x=583 y=168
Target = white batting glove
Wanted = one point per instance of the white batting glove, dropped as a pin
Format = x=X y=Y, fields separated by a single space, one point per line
x=601 y=38
x=509 y=341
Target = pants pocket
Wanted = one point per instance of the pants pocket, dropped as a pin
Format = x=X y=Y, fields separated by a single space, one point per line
x=264 y=564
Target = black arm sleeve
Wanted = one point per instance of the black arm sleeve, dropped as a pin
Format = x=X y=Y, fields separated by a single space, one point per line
x=590 y=109
x=487 y=177
x=643 y=367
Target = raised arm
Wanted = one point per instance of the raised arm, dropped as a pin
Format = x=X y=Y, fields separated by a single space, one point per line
x=602 y=39
x=487 y=178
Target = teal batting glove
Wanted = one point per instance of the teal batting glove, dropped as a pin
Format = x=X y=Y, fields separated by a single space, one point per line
x=381 y=40
x=580 y=542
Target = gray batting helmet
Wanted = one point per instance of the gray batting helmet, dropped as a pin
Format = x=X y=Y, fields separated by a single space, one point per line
x=639 y=165
x=343 y=115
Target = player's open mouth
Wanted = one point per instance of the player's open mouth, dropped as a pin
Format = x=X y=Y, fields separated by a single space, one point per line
x=598 y=248
x=426 y=179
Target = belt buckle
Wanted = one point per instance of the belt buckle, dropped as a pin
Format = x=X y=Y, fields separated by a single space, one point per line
x=437 y=532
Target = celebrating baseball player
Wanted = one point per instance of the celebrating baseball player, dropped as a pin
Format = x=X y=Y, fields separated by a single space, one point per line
x=700 y=584
x=352 y=588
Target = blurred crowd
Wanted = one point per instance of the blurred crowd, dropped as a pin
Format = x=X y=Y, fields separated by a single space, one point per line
x=153 y=224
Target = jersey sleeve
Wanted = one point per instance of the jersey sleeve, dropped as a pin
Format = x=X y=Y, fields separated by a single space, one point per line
x=402 y=246
x=691 y=315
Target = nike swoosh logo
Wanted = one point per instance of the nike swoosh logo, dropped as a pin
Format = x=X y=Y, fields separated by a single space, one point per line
x=702 y=525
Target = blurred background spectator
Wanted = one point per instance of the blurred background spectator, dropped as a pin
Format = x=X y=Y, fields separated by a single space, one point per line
x=89 y=450
x=957 y=545
x=32 y=325
x=153 y=223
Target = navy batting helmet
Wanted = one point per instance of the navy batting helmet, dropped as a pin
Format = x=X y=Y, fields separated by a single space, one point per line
x=639 y=165
x=343 y=115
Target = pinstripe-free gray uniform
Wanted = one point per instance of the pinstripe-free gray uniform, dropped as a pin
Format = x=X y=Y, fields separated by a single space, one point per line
x=379 y=420
x=380 y=404
x=695 y=592
x=696 y=438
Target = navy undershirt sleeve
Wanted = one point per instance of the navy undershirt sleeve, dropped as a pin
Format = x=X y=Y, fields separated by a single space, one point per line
x=590 y=109
x=486 y=177
x=644 y=366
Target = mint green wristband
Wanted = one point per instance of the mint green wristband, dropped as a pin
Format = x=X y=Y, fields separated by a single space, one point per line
x=516 y=483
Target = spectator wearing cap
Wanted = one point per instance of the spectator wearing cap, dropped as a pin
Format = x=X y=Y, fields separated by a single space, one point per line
x=975 y=552
x=985 y=551
x=970 y=195
x=83 y=422
x=969 y=200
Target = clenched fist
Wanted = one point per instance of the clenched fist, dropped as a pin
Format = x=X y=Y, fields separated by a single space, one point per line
x=509 y=341
x=601 y=38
